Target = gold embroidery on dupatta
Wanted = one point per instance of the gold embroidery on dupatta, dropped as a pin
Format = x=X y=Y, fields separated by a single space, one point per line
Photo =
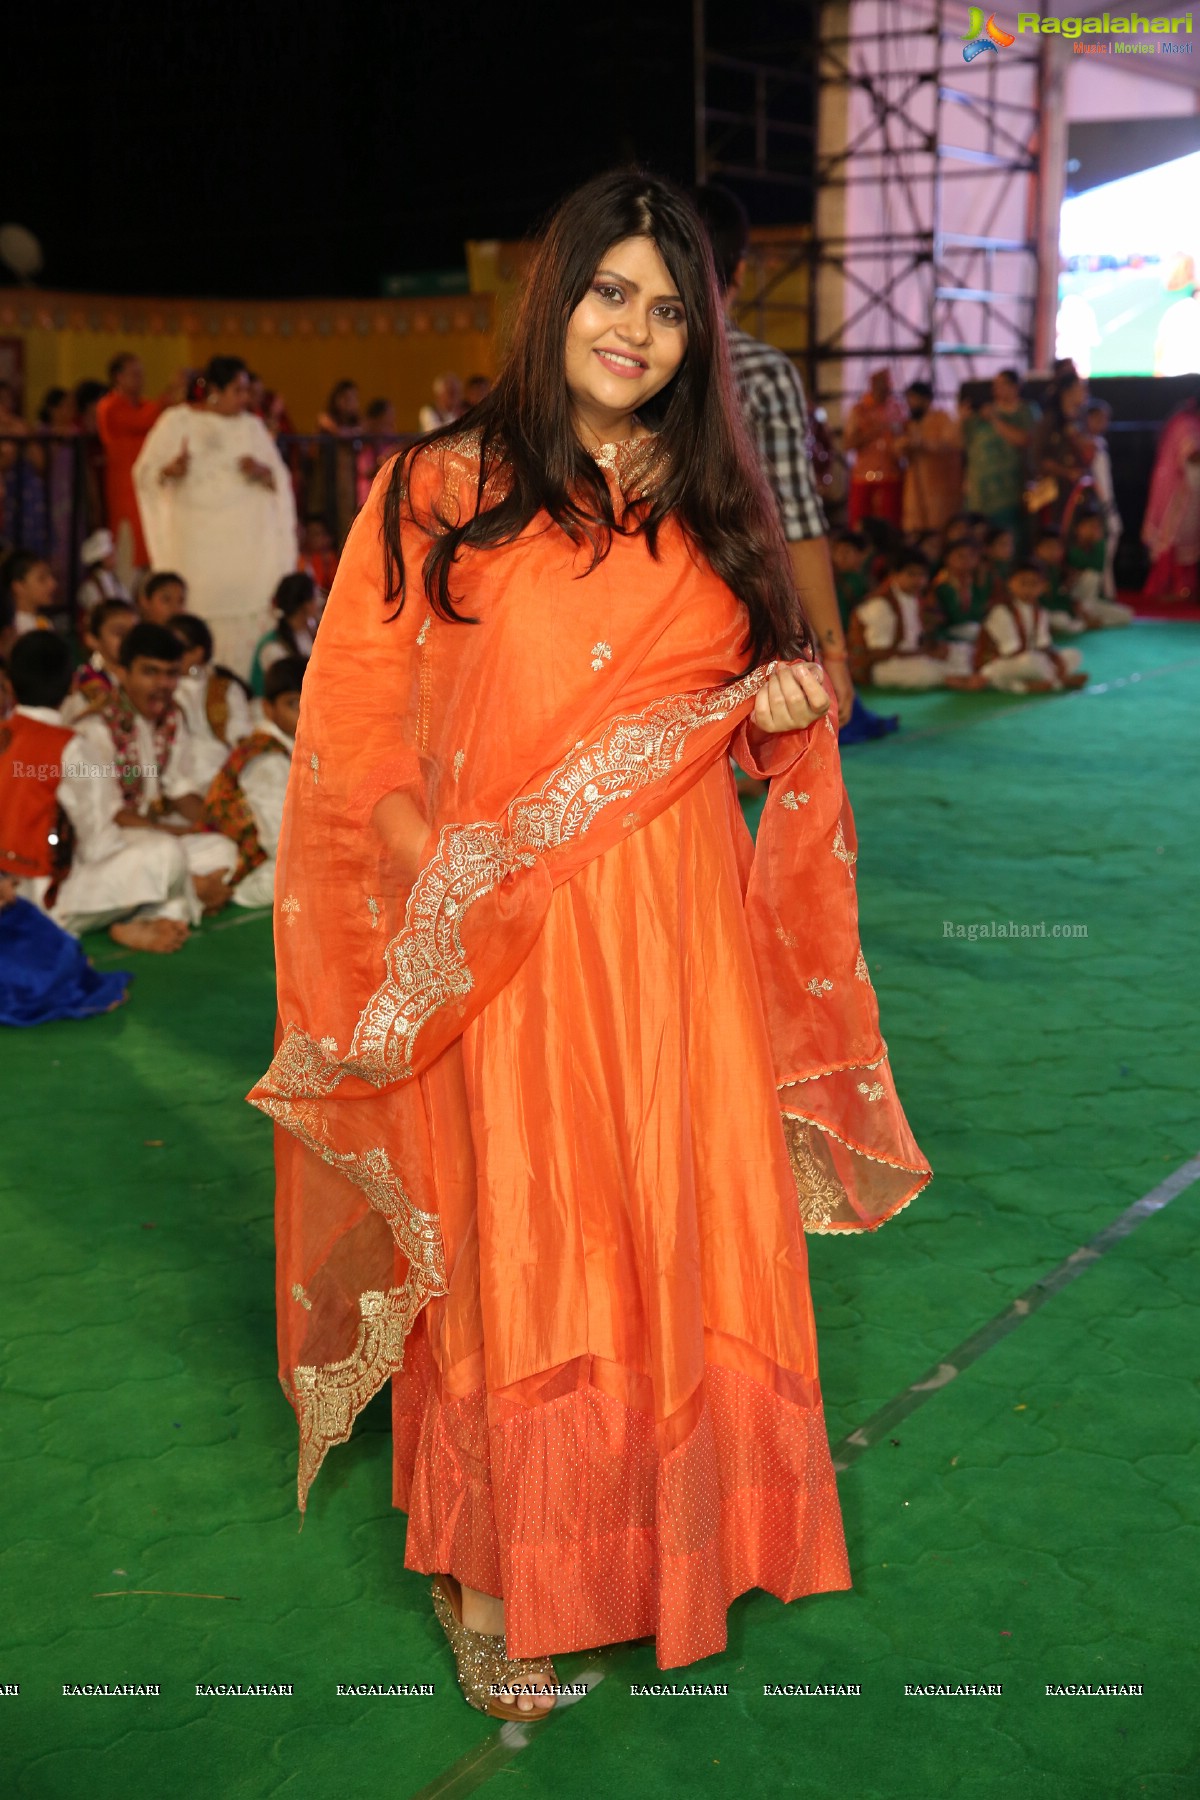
x=299 y=1294
x=819 y=1193
x=861 y=972
x=417 y=1232
x=426 y=964
x=849 y=857
x=426 y=968
x=601 y=653
x=329 y=1399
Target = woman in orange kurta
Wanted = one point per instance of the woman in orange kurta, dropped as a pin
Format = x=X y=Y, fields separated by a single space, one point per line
x=566 y=1065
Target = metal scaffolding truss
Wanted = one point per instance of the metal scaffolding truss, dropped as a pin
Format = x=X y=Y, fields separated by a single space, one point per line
x=922 y=185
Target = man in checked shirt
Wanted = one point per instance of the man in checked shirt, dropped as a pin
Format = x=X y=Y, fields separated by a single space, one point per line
x=775 y=411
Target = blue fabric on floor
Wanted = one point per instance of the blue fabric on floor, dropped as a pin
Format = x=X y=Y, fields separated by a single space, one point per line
x=44 y=973
x=863 y=725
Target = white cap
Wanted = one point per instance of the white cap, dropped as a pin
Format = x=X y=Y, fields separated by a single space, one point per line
x=94 y=549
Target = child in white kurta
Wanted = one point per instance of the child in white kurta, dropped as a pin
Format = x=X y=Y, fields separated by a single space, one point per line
x=1086 y=575
x=245 y=801
x=1015 y=651
x=890 y=643
x=213 y=701
x=1098 y=415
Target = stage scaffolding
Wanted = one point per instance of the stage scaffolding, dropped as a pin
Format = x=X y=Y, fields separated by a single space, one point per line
x=933 y=241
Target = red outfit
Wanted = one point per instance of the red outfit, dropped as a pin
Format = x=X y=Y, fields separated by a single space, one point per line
x=32 y=840
x=123 y=425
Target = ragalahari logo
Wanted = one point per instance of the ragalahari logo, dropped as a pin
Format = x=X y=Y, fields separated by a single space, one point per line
x=981 y=37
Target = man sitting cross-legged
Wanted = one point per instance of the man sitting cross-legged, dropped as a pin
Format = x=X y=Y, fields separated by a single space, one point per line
x=129 y=790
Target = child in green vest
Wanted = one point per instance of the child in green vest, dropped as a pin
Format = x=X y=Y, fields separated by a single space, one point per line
x=1049 y=554
x=961 y=593
x=851 y=554
x=1086 y=571
x=999 y=555
x=298 y=611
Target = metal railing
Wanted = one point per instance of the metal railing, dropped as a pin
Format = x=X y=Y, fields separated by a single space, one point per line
x=52 y=490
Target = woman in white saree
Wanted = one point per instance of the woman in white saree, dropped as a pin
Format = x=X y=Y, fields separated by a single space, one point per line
x=217 y=507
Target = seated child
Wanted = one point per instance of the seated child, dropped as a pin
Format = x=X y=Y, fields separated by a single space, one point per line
x=1098 y=416
x=94 y=680
x=999 y=555
x=98 y=554
x=214 y=701
x=140 y=867
x=298 y=609
x=889 y=641
x=1049 y=555
x=931 y=546
x=245 y=801
x=961 y=592
x=850 y=552
x=1086 y=574
x=1015 y=652
x=161 y=597
x=35 y=844
x=29 y=581
x=318 y=557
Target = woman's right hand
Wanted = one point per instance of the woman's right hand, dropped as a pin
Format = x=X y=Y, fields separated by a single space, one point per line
x=177 y=468
x=795 y=697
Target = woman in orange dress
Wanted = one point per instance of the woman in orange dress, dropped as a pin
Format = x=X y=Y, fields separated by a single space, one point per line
x=566 y=1064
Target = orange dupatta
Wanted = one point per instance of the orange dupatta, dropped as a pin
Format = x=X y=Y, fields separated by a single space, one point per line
x=510 y=753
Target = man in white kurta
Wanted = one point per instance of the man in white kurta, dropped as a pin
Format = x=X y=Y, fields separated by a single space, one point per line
x=125 y=870
x=217 y=505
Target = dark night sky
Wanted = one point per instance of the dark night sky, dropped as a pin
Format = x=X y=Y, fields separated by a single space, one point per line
x=304 y=149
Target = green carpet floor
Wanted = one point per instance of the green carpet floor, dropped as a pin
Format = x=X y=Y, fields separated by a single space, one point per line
x=1033 y=1522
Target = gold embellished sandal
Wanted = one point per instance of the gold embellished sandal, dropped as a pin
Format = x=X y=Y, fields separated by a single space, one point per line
x=481 y=1661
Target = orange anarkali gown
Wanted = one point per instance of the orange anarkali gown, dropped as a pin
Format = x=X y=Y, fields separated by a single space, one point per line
x=562 y=1079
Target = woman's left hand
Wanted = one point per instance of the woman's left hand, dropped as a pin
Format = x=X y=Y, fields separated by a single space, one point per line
x=795 y=696
x=259 y=473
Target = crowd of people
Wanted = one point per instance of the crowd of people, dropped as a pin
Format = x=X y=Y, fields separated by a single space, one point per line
x=68 y=472
x=975 y=543
x=146 y=720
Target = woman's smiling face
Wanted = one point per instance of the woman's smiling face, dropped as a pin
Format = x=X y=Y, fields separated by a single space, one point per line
x=625 y=339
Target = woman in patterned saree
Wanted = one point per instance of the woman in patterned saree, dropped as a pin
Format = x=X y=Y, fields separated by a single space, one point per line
x=566 y=1064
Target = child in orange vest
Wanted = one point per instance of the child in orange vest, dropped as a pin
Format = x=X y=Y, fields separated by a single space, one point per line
x=245 y=801
x=96 y=680
x=43 y=972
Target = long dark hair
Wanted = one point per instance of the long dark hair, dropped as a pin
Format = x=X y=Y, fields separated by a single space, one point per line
x=711 y=480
